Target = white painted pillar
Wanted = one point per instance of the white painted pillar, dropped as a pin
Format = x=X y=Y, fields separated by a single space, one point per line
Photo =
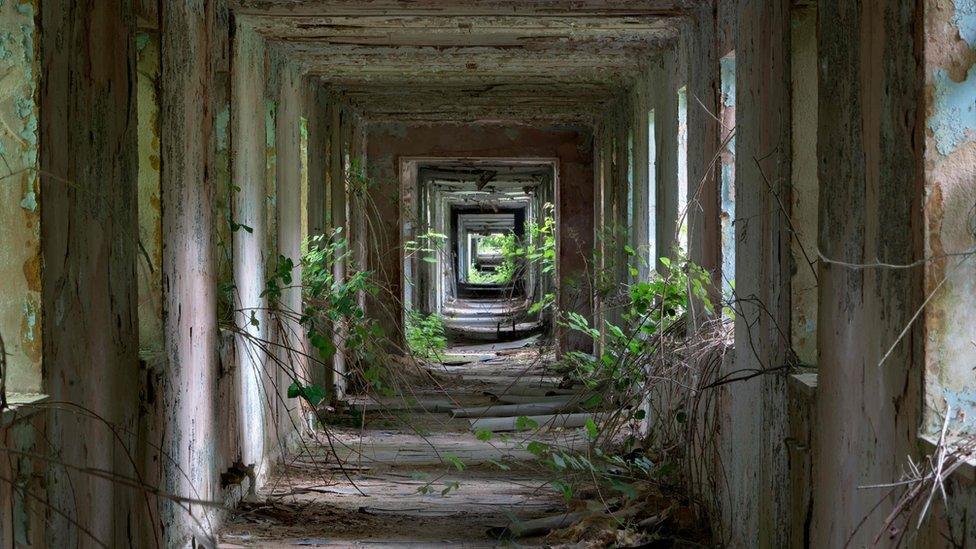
x=288 y=166
x=248 y=174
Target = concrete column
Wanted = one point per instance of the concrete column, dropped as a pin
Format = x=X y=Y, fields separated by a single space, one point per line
x=288 y=166
x=640 y=226
x=358 y=210
x=316 y=109
x=337 y=184
x=318 y=204
x=704 y=184
x=758 y=463
x=869 y=141
x=89 y=173
x=189 y=259
x=665 y=90
x=249 y=174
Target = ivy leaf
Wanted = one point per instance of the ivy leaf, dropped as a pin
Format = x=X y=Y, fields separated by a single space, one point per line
x=594 y=400
x=455 y=461
x=484 y=435
x=524 y=423
x=537 y=448
x=565 y=489
x=591 y=429
x=450 y=486
x=313 y=394
x=324 y=345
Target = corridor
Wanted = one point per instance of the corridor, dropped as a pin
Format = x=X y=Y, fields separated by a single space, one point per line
x=581 y=273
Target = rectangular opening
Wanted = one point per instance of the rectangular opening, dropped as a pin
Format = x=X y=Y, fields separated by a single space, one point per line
x=683 y=168
x=727 y=173
x=651 y=189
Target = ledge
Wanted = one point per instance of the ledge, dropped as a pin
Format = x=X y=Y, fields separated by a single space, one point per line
x=804 y=382
x=967 y=471
x=20 y=406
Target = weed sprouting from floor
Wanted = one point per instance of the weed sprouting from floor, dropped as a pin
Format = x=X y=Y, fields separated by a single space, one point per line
x=426 y=336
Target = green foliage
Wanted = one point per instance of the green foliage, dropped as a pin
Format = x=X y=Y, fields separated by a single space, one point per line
x=547 y=301
x=425 y=334
x=313 y=394
x=281 y=277
x=611 y=471
x=455 y=461
x=329 y=302
x=507 y=246
x=328 y=305
x=427 y=246
x=541 y=250
x=543 y=236
x=655 y=306
x=525 y=423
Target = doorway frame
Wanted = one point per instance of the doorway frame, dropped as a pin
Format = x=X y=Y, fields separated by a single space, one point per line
x=409 y=178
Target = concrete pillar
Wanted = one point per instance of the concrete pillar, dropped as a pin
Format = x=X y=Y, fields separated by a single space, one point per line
x=758 y=464
x=358 y=210
x=338 y=123
x=665 y=92
x=704 y=184
x=249 y=175
x=291 y=336
x=870 y=202
x=318 y=203
x=641 y=106
x=189 y=259
x=89 y=173
x=316 y=109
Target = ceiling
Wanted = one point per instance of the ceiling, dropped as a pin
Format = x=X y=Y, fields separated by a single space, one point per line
x=470 y=60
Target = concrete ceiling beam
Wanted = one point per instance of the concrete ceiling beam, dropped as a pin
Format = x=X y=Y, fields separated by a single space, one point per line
x=566 y=8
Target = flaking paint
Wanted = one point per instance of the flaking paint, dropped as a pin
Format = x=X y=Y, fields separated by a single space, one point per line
x=19 y=198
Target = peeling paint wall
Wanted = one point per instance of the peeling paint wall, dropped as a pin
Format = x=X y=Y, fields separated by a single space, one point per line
x=950 y=210
x=22 y=512
x=869 y=139
x=804 y=187
x=249 y=169
x=89 y=171
x=950 y=229
x=20 y=200
x=188 y=266
x=290 y=229
x=150 y=214
x=758 y=407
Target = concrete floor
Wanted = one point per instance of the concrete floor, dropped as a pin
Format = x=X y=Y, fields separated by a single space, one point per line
x=399 y=462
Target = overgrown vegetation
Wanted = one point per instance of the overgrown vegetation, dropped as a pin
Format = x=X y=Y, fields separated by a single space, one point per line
x=507 y=247
x=426 y=336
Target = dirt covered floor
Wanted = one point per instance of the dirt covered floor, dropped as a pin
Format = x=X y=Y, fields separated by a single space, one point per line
x=404 y=472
